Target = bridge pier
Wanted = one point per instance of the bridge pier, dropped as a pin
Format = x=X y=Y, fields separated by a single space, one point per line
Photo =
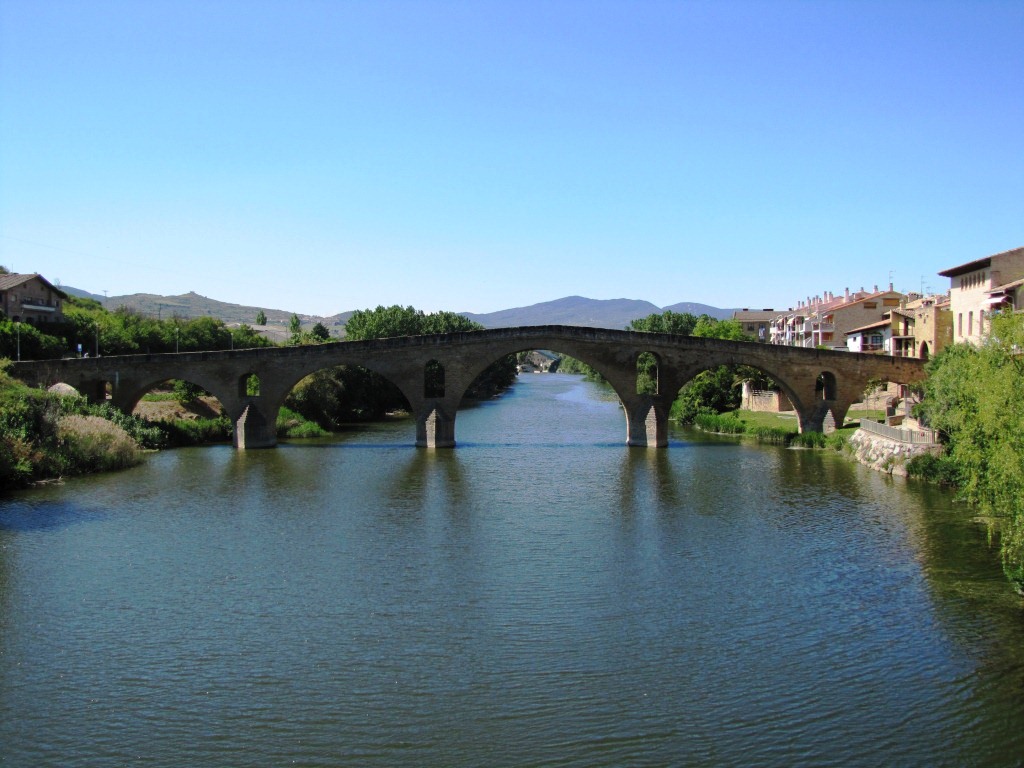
x=646 y=423
x=435 y=428
x=254 y=429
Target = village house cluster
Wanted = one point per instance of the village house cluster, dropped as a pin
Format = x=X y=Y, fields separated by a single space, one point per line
x=888 y=322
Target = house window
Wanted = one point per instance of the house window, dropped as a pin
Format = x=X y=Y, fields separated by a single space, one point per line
x=959 y=323
x=870 y=305
x=970 y=323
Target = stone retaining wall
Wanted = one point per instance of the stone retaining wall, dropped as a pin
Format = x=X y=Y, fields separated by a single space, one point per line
x=885 y=455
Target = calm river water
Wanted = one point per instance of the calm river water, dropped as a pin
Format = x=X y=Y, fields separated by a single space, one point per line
x=540 y=596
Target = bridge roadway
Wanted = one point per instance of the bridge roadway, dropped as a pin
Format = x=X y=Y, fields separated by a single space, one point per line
x=126 y=378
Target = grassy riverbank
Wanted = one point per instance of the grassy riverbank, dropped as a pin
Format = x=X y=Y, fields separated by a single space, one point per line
x=44 y=435
x=774 y=428
x=47 y=435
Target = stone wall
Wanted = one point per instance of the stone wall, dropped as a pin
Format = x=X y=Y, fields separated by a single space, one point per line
x=764 y=401
x=885 y=455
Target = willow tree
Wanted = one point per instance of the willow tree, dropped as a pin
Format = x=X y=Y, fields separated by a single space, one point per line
x=975 y=397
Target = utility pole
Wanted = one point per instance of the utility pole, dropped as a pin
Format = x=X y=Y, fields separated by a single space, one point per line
x=17 y=327
x=96 y=352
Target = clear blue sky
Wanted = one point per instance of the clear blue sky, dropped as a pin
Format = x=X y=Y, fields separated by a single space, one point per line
x=474 y=156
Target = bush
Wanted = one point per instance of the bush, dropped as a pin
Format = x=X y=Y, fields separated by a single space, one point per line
x=291 y=424
x=934 y=469
x=93 y=444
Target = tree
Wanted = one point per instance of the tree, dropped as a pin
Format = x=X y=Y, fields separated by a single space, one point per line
x=185 y=392
x=320 y=333
x=975 y=397
x=295 y=329
x=261 y=318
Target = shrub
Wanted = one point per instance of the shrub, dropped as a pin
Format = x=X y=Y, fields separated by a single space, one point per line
x=935 y=469
x=292 y=424
x=93 y=444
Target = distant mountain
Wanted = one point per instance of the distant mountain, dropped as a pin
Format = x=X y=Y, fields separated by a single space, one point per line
x=81 y=294
x=592 y=313
x=700 y=309
x=191 y=304
x=571 y=310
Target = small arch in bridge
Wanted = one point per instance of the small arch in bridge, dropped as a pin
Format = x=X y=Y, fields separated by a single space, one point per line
x=97 y=391
x=826 y=385
x=647 y=365
x=433 y=379
x=249 y=385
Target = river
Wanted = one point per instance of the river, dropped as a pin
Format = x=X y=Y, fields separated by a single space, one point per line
x=541 y=595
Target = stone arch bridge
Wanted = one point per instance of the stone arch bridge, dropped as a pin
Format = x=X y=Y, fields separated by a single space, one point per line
x=461 y=357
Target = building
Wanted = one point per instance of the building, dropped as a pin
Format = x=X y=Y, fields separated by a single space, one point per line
x=875 y=338
x=756 y=322
x=31 y=299
x=824 y=321
x=981 y=287
x=922 y=327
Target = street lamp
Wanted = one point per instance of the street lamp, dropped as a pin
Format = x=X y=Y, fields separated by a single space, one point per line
x=175 y=339
x=96 y=352
x=17 y=330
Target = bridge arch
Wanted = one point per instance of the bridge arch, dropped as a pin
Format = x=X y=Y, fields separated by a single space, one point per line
x=411 y=387
x=646 y=414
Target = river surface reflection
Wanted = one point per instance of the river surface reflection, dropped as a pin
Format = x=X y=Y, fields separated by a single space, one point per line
x=541 y=595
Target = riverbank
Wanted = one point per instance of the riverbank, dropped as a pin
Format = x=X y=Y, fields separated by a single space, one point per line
x=878 y=452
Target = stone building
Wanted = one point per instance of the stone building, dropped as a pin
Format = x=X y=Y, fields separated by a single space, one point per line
x=756 y=322
x=31 y=299
x=980 y=287
x=922 y=327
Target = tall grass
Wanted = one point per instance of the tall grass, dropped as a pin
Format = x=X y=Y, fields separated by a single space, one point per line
x=292 y=424
x=731 y=424
x=93 y=444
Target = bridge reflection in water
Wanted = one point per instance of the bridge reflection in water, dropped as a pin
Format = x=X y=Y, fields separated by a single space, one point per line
x=462 y=356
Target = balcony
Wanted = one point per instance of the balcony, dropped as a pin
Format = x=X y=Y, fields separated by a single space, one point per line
x=33 y=306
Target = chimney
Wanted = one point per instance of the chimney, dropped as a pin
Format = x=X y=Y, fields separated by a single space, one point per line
x=847 y=297
x=876 y=289
x=890 y=286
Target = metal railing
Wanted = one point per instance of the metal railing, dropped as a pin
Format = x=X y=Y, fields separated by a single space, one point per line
x=913 y=436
